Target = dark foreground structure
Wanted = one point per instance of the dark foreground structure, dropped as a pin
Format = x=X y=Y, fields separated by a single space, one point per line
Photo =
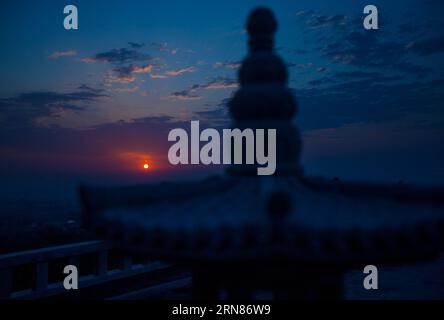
x=286 y=233
x=292 y=235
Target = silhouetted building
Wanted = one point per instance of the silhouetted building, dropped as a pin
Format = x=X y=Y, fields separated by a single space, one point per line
x=293 y=235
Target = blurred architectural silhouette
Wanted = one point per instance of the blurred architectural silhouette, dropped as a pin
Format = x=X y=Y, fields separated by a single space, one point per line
x=292 y=235
x=287 y=233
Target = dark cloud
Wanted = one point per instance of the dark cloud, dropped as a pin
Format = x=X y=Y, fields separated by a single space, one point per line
x=217 y=116
x=320 y=21
x=369 y=50
x=184 y=95
x=228 y=64
x=119 y=56
x=216 y=83
x=364 y=49
x=300 y=65
x=24 y=108
x=154 y=119
x=136 y=45
x=125 y=74
x=397 y=48
x=127 y=62
x=368 y=99
x=84 y=87
x=110 y=147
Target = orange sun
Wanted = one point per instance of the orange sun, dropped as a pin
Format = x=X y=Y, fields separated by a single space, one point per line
x=146 y=166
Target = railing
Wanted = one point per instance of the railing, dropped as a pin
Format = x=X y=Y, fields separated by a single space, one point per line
x=41 y=259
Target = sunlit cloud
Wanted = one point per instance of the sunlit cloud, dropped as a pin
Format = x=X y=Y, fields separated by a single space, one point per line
x=228 y=64
x=119 y=78
x=59 y=54
x=178 y=72
x=143 y=69
x=118 y=56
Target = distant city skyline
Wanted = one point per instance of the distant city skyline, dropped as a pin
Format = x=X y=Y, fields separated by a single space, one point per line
x=101 y=99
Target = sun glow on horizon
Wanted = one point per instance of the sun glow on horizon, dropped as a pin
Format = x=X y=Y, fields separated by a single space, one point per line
x=137 y=161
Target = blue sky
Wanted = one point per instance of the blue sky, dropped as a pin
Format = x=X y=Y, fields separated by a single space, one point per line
x=104 y=97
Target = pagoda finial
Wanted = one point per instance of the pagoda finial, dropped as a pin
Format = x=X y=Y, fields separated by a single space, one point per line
x=261 y=26
x=264 y=101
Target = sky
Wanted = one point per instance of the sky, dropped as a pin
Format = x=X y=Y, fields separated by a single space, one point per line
x=102 y=99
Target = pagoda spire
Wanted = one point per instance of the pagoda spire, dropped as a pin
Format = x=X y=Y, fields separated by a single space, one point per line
x=264 y=101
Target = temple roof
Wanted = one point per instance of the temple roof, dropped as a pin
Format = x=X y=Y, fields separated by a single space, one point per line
x=247 y=218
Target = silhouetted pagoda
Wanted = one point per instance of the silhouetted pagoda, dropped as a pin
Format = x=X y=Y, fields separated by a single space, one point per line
x=287 y=233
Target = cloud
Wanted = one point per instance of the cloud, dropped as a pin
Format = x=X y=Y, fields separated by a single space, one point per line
x=357 y=97
x=321 y=69
x=321 y=21
x=300 y=65
x=86 y=88
x=125 y=74
x=305 y=13
x=136 y=45
x=126 y=90
x=158 y=76
x=395 y=48
x=315 y=20
x=119 y=56
x=307 y=66
x=218 y=83
x=119 y=77
x=127 y=63
x=178 y=72
x=339 y=77
x=362 y=49
x=228 y=64
x=143 y=69
x=217 y=117
x=183 y=95
x=163 y=47
x=58 y=54
x=25 y=108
